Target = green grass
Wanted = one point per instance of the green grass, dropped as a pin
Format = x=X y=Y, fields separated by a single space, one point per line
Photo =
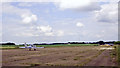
x=8 y=46
x=60 y=45
x=118 y=53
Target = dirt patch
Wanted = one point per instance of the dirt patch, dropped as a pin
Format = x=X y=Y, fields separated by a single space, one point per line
x=103 y=59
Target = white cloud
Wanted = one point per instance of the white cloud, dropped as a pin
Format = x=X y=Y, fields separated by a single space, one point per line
x=39 y=31
x=54 y=0
x=79 y=24
x=45 y=28
x=25 y=34
x=49 y=31
x=108 y=13
x=99 y=36
x=7 y=8
x=28 y=18
x=23 y=4
x=59 y=30
x=26 y=14
x=64 y=4
x=106 y=0
x=49 y=34
x=60 y=33
x=78 y=5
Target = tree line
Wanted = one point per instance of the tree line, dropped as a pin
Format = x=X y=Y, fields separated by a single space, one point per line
x=99 y=42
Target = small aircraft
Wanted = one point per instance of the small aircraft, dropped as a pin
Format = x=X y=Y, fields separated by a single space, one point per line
x=30 y=47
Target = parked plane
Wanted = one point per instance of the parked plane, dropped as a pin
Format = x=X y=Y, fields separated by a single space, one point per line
x=30 y=47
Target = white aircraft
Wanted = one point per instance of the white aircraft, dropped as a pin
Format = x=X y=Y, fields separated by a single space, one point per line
x=31 y=46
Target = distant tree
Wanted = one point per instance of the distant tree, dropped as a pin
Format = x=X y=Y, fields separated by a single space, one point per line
x=101 y=42
x=117 y=42
x=8 y=43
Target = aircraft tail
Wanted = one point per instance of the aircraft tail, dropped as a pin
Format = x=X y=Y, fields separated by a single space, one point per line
x=25 y=45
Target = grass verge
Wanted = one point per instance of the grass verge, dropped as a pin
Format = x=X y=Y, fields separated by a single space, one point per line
x=118 y=54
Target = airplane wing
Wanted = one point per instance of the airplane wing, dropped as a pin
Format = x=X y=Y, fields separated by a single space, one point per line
x=22 y=47
x=26 y=47
x=32 y=47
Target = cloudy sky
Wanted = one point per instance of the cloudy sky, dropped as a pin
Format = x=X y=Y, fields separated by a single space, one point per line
x=60 y=21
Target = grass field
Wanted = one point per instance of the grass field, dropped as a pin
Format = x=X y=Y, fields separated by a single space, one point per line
x=7 y=46
x=60 y=45
x=56 y=56
x=118 y=53
x=67 y=45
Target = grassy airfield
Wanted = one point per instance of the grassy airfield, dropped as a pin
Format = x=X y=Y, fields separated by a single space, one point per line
x=60 y=55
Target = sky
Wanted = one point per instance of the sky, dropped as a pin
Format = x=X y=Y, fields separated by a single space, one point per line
x=59 y=21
